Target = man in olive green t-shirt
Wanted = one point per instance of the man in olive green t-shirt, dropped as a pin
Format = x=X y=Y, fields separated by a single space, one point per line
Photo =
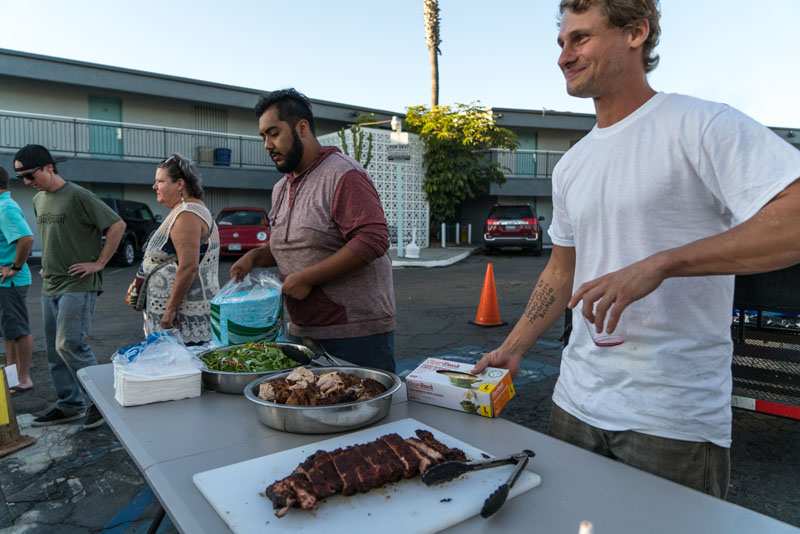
x=71 y=221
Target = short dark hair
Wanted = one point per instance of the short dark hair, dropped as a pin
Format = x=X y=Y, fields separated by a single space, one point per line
x=181 y=168
x=3 y=178
x=623 y=13
x=292 y=106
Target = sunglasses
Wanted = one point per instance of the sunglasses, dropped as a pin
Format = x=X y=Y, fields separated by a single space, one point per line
x=183 y=165
x=28 y=174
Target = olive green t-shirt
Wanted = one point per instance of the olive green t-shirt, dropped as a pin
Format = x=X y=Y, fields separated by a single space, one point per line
x=71 y=222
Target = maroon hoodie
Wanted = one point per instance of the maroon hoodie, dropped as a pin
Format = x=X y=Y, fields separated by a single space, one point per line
x=333 y=204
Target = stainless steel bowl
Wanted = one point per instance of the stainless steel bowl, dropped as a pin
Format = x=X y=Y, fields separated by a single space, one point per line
x=325 y=419
x=234 y=383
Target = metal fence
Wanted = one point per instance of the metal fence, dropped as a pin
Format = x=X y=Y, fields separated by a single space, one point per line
x=112 y=140
x=526 y=163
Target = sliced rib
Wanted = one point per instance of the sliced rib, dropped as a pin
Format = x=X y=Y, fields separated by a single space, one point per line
x=404 y=453
x=448 y=453
x=319 y=470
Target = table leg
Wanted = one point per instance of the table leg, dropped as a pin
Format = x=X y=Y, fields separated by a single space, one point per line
x=160 y=513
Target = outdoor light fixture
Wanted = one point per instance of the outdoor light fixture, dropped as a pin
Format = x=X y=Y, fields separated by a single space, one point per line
x=397 y=123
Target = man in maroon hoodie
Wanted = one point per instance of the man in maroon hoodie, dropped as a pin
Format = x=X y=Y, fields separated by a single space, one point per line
x=328 y=239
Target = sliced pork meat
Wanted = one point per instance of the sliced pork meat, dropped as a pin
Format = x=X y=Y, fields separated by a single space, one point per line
x=274 y=391
x=449 y=454
x=320 y=471
x=372 y=388
x=385 y=471
x=404 y=453
x=302 y=387
x=281 y=494
x=330 y=383
x=389 y=460
x=346 y=461
x=301 y=376
x=434 y=456
x=292 y=491
x=359 y=468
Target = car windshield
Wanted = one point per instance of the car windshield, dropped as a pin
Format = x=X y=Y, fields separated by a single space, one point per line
x=510 y=212
x=135 y=212
x=241 y=218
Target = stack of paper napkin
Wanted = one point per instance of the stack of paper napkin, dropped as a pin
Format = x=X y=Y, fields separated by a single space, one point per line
x=159 y=368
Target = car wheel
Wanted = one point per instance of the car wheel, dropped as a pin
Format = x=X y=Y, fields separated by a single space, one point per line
x=127 y=256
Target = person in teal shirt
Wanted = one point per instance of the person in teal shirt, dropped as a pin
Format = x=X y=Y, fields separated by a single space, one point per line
x=16 y=241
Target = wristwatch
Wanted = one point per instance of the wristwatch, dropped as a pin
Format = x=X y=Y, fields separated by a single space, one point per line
x=13 y=267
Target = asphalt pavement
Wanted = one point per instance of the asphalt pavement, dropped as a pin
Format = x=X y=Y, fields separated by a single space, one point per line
x=75 y=481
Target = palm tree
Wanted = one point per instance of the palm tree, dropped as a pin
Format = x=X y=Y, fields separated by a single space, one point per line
x=430 y=12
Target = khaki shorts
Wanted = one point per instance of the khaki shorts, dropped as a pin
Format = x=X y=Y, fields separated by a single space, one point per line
x=14 y=312
x=703 y=466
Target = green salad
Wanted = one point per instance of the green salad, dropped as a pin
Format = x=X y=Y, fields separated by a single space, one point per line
x=249 y=358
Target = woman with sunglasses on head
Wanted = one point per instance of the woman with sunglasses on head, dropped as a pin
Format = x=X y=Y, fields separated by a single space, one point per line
x=181 y=258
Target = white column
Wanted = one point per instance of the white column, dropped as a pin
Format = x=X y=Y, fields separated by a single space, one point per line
x=401 y=218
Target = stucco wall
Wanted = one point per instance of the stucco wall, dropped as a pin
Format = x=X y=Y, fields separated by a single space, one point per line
x=32 y=97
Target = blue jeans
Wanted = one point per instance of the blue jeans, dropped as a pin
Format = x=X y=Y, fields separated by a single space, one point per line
x=367 y=351
x=67 y=320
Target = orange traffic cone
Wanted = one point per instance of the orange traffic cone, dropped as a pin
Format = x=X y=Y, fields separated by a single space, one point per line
x=488 y=313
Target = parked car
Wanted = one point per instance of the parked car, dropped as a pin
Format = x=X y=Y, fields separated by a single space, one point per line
x=513 y=225
x=140 y=223
x=241 y=229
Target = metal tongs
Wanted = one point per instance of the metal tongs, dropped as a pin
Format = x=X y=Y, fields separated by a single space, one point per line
x=321 y=355
x=447 y=471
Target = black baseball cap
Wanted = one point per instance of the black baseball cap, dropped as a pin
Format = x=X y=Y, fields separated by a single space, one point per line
x=33 y=157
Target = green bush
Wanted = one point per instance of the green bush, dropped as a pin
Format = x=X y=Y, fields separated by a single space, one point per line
x=457 y=163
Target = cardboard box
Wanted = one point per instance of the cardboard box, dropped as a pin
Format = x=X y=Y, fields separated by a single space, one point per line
x=451 y=385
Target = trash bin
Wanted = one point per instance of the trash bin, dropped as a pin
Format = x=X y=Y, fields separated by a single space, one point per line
x=222 y=157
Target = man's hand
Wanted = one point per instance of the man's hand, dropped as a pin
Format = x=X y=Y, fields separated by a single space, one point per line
x=85 y=269
x=295 y=287
x=501 y=358
x=7 y=272
x=242 y=267
x=616 y=291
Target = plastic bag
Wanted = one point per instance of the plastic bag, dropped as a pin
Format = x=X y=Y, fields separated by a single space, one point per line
x=250 y=310
x=160 y=354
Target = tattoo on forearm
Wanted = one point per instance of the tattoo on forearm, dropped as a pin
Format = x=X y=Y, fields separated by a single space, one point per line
x=542 y=299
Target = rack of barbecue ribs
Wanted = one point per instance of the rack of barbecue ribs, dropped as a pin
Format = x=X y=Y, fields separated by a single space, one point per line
x=358 y=469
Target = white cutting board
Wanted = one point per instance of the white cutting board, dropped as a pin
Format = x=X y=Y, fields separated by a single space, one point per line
x=236 y=492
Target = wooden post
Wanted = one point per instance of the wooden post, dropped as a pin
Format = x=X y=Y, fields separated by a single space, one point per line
x=10 y=438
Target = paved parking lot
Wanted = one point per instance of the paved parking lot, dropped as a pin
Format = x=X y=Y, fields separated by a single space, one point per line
x=78 y=482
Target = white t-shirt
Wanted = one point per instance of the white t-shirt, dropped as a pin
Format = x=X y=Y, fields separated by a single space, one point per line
x=676 y=170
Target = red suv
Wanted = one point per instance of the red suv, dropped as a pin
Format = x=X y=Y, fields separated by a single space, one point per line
x=241 y=229
x=513 y=225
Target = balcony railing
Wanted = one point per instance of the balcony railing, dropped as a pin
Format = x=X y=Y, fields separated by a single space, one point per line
x=124 y=141
x=526 y=163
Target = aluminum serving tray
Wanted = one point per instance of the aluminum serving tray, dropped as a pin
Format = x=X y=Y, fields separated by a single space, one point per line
x=234 y=383
x=325 y=419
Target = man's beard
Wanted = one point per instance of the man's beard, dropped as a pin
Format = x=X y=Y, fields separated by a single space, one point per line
x=291 y=160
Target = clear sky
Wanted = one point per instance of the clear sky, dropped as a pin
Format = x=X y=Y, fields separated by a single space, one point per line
x=372 y=52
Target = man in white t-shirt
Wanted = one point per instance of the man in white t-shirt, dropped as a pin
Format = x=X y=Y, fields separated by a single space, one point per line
x=653 y=211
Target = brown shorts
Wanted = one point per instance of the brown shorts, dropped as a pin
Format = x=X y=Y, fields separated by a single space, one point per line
x=14 y=312
x=703 y=466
